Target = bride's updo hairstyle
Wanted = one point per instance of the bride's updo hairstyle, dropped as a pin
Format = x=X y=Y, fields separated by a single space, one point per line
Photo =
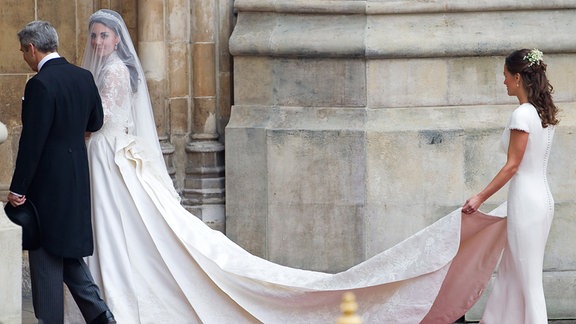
x=532 y=69
x=113 y=20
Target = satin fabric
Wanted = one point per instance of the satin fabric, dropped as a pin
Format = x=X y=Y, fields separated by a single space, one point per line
x=155 y=262
x=518 y=293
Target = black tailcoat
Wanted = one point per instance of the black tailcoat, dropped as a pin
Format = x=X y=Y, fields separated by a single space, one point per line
x=60 y=103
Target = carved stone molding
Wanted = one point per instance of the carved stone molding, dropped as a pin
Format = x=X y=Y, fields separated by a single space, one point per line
x=396 y=6
x=382 y=34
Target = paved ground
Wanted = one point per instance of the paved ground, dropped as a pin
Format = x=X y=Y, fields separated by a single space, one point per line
x=28 y=311
x=28 y=314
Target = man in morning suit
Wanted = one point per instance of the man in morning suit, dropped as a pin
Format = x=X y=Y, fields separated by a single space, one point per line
x=60 y=104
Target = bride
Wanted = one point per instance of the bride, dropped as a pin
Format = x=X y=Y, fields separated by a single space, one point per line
x=156 y=262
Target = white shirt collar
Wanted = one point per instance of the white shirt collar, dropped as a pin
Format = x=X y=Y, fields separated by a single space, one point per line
x=46 y=58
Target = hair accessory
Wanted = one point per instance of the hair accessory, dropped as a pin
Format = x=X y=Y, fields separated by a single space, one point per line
x=104 y=14
x=534 y=56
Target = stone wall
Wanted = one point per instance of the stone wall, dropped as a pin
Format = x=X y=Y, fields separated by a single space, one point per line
x=11 y=270
x=11 y=259
x=183 y=46
x=357 y=123
x=70 y=19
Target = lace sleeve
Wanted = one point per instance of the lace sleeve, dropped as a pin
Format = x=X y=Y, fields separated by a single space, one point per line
x=115 y=91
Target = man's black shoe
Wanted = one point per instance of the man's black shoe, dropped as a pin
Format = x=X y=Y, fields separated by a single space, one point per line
x=104 y=318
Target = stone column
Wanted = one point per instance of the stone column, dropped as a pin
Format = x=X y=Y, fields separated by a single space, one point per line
x=179 y=81
x=11 y=261
x=152 y=52
x=204 y=183
x=357 y=123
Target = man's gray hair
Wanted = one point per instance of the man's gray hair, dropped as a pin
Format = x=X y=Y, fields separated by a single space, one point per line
x=41 y=34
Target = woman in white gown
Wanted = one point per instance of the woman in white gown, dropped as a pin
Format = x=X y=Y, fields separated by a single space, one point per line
x=518 y=294
x=157 y=263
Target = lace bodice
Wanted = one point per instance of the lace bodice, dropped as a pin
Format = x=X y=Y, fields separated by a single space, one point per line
x=113 y=81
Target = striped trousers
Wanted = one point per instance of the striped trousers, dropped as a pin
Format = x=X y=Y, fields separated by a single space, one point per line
x=47 y=273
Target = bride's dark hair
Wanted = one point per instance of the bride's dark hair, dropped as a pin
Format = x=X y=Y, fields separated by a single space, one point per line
x=113 y=20
x=533 y=72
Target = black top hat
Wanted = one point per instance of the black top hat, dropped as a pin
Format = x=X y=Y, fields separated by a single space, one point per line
x=26 y=216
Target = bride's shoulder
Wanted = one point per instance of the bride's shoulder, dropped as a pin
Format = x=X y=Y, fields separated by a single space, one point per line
x=115 y=65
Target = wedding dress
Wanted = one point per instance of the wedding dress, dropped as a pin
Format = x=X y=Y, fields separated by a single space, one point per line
x=157 y=263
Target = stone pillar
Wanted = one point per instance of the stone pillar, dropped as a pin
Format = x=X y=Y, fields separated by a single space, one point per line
x=11 y=261
x=204 y=183
x=152 y=52
x=179 y=81
x=357 y=123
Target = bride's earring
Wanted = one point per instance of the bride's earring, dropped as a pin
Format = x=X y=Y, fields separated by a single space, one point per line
x=116 y=46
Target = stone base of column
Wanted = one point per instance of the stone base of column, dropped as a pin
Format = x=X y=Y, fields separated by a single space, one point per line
x=10 y=271
x=204 y=189
x=168 y=152
x=211 y=215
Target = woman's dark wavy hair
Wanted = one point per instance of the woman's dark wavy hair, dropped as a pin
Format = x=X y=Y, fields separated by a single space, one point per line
x=534 y=79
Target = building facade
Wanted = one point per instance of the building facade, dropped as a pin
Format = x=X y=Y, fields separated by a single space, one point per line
x=317 y=133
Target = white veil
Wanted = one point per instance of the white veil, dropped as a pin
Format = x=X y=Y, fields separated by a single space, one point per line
x=144 y=127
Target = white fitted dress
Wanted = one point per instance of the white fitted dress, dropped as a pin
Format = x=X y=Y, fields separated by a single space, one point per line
x=518 y=295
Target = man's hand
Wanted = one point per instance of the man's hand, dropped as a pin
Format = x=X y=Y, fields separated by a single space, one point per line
x=16 y=200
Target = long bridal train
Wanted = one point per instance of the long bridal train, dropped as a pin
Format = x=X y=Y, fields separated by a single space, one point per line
x=163 y=264
x=157 y=263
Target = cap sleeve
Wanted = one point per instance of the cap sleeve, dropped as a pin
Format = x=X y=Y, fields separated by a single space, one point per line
x=522 y=117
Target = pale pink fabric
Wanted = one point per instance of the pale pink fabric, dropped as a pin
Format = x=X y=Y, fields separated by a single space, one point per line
x=481 y=243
